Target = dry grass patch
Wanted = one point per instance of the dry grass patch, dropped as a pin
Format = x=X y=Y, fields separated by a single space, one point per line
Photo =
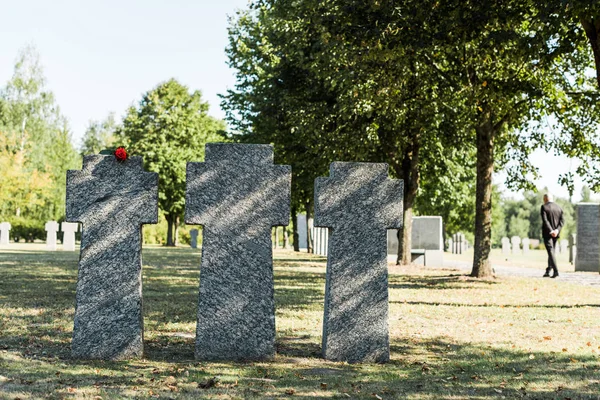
x=452 y=337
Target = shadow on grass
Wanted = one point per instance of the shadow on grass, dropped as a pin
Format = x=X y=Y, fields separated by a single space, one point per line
x=453 y=281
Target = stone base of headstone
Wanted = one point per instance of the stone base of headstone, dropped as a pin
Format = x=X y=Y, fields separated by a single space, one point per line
x=434 y=258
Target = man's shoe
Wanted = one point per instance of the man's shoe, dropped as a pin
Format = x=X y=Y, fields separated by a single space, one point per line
x=546 y=275
x=555 y=275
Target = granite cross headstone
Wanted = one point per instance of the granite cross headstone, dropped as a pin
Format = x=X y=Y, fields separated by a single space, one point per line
x=516 y=244
x=564 y=246
x=238 y=195
x=69 y=229
x=357 y=202
x=4 y=232
x=194 y=238
x=51 y=229
x=112 y=199
x=505 y=246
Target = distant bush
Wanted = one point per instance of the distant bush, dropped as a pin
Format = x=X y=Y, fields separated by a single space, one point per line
x=26 y=229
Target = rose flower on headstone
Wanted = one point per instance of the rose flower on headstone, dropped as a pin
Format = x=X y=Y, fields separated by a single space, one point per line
x=121 y=153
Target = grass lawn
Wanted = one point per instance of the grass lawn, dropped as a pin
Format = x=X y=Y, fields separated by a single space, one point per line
x=451 y=337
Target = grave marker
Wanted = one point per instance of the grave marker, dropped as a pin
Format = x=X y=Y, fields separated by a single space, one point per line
x=69 y=229
x=4 y=233
x=194 y=238
x=51 y=229
x=112 y=200
x=505 y=246
x=358 y=203
x=515 y=242
x=588 y=237
x=238 y=195
x=525 y=243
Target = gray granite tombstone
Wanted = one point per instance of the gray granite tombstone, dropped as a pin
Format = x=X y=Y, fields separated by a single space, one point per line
x=357 y=202
x=4 y=232
x=112 y=199
x=588 y=237
x=515 y=242
x=194 y=238
x=238 y=195
x=505 y=246
x=302 y=231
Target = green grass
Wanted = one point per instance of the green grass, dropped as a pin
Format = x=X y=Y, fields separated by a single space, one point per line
x=451 y=337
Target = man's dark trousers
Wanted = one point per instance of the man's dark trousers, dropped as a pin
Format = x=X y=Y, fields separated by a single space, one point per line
x=550 y=243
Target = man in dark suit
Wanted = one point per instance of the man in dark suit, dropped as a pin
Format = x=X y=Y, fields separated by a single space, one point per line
x=552 y=223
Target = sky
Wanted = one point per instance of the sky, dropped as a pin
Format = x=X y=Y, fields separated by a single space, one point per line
x=101 y=56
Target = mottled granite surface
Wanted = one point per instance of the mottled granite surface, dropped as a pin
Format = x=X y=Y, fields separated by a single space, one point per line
x=238 y=195
x=358 y=203
x=587 y=257
x=112 y=200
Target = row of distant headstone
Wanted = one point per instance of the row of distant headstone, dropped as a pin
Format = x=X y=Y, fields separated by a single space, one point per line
x=237 y=195
x=516 y=245
x=458 y=244
x=67 y=228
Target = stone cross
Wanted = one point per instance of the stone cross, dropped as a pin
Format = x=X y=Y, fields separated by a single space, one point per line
x=51 y=229
x=238 y=195
x=4 y=229
x=505 y=246
x=357 y=202
x=69 y=229
x=572 y=247
x=112 y=199
x=564 y=246
x=194 y=238
x=516 y=244
x=525 y=242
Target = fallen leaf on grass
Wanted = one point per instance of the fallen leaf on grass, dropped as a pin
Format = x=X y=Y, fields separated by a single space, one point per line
x=290 y=392
x=547 y=338
x=323 y=385
x=207 y=384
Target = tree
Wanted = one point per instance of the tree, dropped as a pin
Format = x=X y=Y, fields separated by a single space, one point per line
x=99 y=135
x=169 y=128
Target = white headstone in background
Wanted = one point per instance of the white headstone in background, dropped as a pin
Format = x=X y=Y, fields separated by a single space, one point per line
x=320 y=240
x=516 y=242
x=51 y=229
x=505 y=246
x=526 y=244
x=194 y=238
x=564 y=246
x=4 y=235
x=69 y=229
x=450 y=245
x=302 y=231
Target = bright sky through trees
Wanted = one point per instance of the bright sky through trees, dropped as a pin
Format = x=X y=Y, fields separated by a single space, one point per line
x=100 y=57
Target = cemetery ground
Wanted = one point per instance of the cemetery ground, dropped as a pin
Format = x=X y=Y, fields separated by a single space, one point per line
x=452 y=337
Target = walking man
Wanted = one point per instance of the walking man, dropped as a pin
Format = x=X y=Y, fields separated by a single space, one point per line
x=552 y=223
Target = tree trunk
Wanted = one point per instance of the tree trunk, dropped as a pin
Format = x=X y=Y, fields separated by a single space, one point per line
x=592 y=31
x=295 y=237
x=482 y=266
x=410 y=174
x=170 y=222
x=176 y=238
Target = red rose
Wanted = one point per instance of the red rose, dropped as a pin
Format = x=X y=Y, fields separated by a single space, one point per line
x=121 y=154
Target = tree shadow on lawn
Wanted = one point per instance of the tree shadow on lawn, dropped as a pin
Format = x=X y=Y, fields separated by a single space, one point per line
x=453 y=281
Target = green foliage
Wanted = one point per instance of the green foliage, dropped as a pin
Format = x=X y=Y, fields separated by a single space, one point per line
x=169 y=128
x=100 y=135
x=36 y=145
